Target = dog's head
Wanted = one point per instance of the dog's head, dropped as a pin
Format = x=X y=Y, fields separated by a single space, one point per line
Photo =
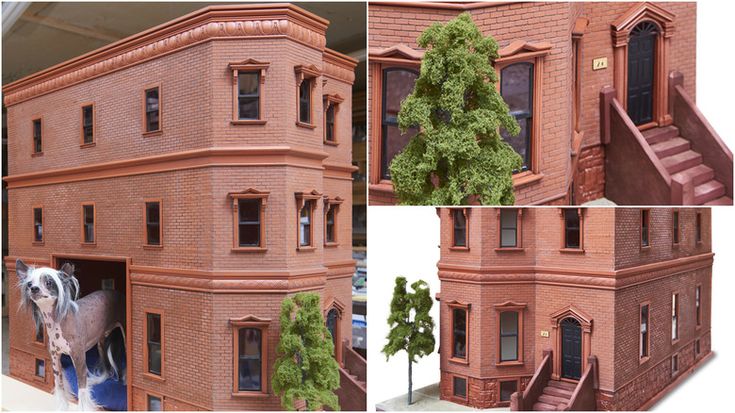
x=48 y=288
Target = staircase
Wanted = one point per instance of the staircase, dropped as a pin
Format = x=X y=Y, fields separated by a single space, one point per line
x=361 y=383
x=555 y=396
x=352 y=391
x=675 y=153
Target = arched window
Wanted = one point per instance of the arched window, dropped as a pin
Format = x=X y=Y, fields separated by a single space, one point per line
x=332 y=325
x=397 y=84
x=516 y=87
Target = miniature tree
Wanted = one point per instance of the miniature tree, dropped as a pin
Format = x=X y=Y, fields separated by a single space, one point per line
x=458 y=153
x=411 y=325
x=305 y=369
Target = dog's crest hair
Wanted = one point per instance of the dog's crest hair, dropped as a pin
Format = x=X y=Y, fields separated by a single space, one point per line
x=67 y=287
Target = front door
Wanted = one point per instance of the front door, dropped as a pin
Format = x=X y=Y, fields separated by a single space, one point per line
x=641 y=56
x=571 y=349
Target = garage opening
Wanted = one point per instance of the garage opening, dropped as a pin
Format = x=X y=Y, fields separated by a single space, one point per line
x=93 y=275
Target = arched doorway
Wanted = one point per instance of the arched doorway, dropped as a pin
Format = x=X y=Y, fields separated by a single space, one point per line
x=641 y=72
x=571 y=349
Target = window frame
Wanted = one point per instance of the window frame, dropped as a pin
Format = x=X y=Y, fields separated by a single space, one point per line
x=466 y=213
x=146 y=243
x=675 y=365
x=505 y=403
x=254 y=322
x=455 y=305
x=514 y=307
x=384 y=123
x=302 y=200
x=332 y=204
x=519 y=230
x=645 y=228
x=146 y=367
x=564 y=248
x=311 y=74
x=642 y=358
x=94 y=224
x=248 y=65
x=675 y=317
x=36 y=377
x=675 y=227
x=149 y=395
x=235 y=198
x=526 y=114
x=523 y=52
x=146 y=89
x=454 y=395
x=82 y=143
x=334 y=101
x=698 y=305
x=34 y=241
x=39 y=120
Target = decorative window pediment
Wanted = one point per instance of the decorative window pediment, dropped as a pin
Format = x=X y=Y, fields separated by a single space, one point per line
x=399 y=53
x=571 y=311
x=249 y=320
x=521 y=49
x=644 y=11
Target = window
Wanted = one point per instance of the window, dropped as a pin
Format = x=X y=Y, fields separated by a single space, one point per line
x=398 y=83
x=38 y=225
x=153 y=223
x=645 y=223
x=572 y=228
x=154 y=343
x=40 y=368
x=644 y=343
x=305 y=223
x=248 y=224
x=516 y=87
x=675 y=222
x=88 y=223
x=39 y=336
x=37 y=137
x=674 y=317
x=699 y=227
x=152 y=110
x=697 y=348
x=508 y=336
x=305 y=101
x=674 y=364
x=698 y=304
x=459 y=228
x=248 y=220
x=509 y=228
x=331 y=108
x=249 y=359
x=331 y=213
x=248 y=95
x=507 y=388
x=459 y=333
x=87 y=124
x=459 y=385
x=331 y=236
x=154 y=403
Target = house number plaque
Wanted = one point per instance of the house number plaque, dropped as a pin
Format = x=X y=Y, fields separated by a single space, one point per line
x=599 y=63
x=544 y=333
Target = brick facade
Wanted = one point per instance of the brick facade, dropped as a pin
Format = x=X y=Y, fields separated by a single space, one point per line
x=196 y=278
x=561 y=135
x=600 y=285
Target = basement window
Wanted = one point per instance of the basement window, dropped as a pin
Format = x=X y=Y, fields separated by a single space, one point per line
x=154 y=403
x=41 y=368
x=507 y=388
x=459 y=385
x=674 y=365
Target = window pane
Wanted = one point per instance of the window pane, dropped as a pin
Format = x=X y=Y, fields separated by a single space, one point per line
x=249 y=235
x=248 y=83
x=330 y=225
x=508 y=322
x=521 y=142
x=460 y=387
x=249 y=107
x=305 y=101
x=151 y=109
x=154 y=328
x=249 y=210
x=249 y=359
x=397 y=84
x=152 y=212
x=508 y=224
x=644 y=228
x=154 y=404
x=88 y=223
x=40 y=368
x=460 y=333
x=330 y=122
x=516 y=86
x=37 y=140
x=506 y=389
x=571 y=223
x=305 y=224
x=460 y=228
x=393 y=143
x=508 y=348
x=38 y=224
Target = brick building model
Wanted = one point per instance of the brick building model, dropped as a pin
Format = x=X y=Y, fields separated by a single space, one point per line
x=572 y=308
x=203 y=169
x=604 y=94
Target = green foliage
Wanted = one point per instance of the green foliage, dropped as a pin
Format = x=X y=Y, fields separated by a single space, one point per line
x=411 y=325
x=305 y=368
x=458 y=152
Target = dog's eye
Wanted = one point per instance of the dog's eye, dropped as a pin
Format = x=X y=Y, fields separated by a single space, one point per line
x=49 y=283
x=29 y=284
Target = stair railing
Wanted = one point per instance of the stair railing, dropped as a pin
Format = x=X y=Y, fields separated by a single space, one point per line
x=633 y=173
x=523 y=401
x=354 y=362
x=583 y=398
x=695 y=127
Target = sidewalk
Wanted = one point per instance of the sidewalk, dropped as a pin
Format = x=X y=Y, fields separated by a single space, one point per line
x=17 y=395
x=425 y=399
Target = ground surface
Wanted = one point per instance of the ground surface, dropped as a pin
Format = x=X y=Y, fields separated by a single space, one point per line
x=425 y=399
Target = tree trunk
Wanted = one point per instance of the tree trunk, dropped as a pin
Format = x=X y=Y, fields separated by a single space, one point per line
x=410 y=382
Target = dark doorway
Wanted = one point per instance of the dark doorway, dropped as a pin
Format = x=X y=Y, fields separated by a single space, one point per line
x=641 y=58
x=571 y=349
x=96 y=275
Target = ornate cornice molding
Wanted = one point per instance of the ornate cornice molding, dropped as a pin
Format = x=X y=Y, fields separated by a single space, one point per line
x=338 y=66
x=214 y=22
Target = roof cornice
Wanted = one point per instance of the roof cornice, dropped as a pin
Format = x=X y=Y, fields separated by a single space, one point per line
x=213 y=22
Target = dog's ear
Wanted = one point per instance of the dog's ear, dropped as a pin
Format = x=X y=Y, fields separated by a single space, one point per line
x=67 y=269
x=21 y=269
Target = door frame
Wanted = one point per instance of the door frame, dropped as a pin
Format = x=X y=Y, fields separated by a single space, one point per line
x=621 y=29
x=128 y=308
x=585 y=323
